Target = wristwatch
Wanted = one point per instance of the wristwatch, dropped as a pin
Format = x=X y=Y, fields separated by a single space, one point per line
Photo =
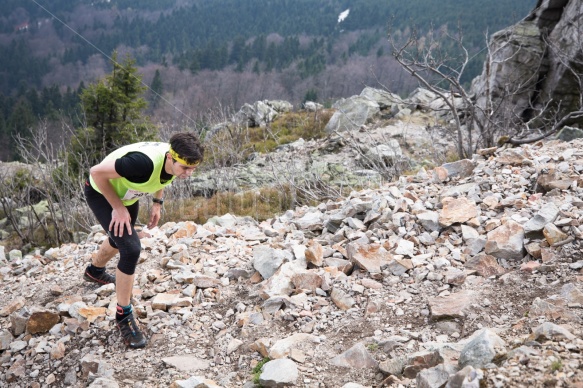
x=156 y=200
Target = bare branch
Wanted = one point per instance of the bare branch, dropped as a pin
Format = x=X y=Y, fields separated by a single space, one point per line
x=558 y=125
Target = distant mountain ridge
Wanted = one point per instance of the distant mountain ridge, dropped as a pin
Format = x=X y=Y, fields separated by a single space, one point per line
x=162 y=30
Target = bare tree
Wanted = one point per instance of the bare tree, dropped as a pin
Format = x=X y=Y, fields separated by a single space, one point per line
x=507 y=103
x=428 y=60
x=303 y=183
x=44 y=204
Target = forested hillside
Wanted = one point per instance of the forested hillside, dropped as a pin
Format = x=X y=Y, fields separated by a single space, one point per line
x=204 y=54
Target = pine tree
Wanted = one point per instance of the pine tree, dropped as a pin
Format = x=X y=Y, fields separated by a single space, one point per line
x=5 y=148
x=113 y=109
x=311 y=95
x=156 y=89
x=20 y=123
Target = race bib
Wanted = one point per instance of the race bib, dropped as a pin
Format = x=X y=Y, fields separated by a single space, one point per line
x=133 y=194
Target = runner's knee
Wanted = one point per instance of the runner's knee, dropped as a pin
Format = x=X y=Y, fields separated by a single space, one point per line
x=129 y=254
x=112 y=243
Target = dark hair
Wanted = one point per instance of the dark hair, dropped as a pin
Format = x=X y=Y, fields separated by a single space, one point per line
x=187 y=145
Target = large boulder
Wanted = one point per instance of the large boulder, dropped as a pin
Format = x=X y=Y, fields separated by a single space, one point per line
x=384 y=155
x=280 y=106
x=352 y=113
x=385 y=99
x=260 y=113
x=421 y=98
x=541 y=58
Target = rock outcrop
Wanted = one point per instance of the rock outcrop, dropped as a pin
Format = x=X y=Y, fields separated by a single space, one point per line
x=536 y=64
x=368 y=138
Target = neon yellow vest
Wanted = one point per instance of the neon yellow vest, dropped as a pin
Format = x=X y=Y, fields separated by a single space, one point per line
x=130 y=192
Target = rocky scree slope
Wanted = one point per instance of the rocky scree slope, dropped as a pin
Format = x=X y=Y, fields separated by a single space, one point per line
x=462 y=276
x=371 y=137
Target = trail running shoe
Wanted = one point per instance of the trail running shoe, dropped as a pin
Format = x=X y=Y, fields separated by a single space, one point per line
x=130 y=332
x=103 y=278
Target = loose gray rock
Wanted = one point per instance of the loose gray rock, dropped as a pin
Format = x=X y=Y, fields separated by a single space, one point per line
x=548 y=213
x=186 y=363
x=355 y=357
x=482 y=350
x=279 y=373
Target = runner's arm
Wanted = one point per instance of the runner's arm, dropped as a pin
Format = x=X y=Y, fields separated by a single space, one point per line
x=155 y=212
x=120 y=217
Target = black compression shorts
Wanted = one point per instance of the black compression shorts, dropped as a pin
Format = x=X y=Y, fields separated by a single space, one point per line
x=129 y=245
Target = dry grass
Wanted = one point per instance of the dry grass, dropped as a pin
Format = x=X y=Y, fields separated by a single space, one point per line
x=416 y=119
x=288 y=128
x=260 y=204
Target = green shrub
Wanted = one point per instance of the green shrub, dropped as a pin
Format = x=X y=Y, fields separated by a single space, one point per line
x=257 y=370
x=556 y=365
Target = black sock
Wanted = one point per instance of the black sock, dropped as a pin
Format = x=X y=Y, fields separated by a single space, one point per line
x=96 y=270
x=123 y=311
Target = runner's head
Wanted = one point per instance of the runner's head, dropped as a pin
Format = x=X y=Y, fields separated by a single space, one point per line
x=186 y=149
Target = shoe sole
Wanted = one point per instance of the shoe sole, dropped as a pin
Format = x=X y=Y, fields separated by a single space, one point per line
x=90 y=278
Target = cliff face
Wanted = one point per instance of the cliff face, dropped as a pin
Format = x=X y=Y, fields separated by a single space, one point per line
x=562 y=83
x=535 y=65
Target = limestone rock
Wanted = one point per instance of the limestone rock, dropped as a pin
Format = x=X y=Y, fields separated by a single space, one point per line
x=457 y=210
x=547 y=214
x=356 y=357
x=352 y=113
x=368 y=257
x=41 y=321
x=485 y=347
x=452 y=306
x=186 y=363
x=279 y=373
x=506 y=241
